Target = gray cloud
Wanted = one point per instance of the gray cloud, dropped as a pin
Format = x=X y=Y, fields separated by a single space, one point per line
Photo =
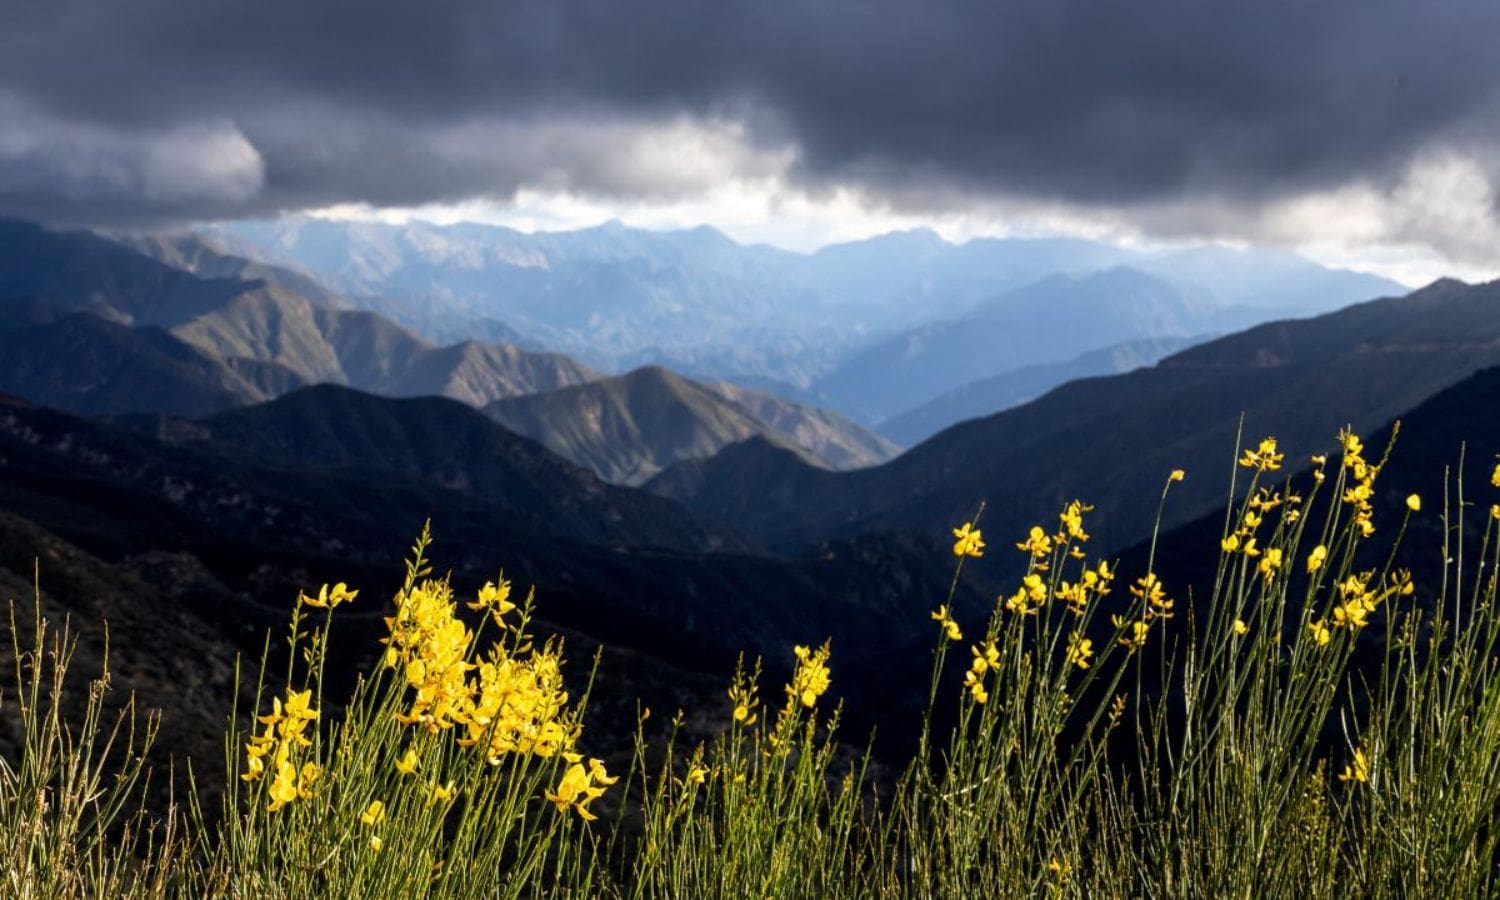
x=160 y=109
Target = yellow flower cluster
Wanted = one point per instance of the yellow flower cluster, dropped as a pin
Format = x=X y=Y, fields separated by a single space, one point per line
x=430 y=645
x=811 y=678
x=1316 y=558
x=1155 y=604
x=969 y=541
x=1357 y=600
x=986 y=659
x=1038 y=543
x=505 y=703
x=1363 y=472
x=1029 y=597
x=1264 y=457
x=519 y=706
x=285 y=732
x=1072 y=521
x=1080 y=649
x=1093 y=582
x=1270 y=563
x=581 y=786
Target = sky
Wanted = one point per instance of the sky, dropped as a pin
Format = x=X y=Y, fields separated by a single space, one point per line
x=1365 y=133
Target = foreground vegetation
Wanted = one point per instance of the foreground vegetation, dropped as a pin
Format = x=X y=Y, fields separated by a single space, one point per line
x=1320 y=725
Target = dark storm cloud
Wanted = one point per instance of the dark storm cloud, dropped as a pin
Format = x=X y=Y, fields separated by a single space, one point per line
x=166 y=108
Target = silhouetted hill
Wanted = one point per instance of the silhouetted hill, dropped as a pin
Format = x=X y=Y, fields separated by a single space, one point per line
x=1112 y=440
x=267 y=527
x=452 y=445
x=628 y=428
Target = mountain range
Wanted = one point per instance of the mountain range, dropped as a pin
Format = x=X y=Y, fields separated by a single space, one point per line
x=832 y=327
x=173 y=326
x=271 y=316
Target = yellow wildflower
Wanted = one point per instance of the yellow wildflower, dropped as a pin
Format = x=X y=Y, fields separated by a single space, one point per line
x=440 y=793
x=1135 y=639
x=969 y=541
x=1038 y=543
x=1414 y=503
x=974 y=683
x=1320 y=632
x=579 y=787
x=1264 y=457
x=696 y=775
x=1080 y=649
x=1059 y=870
x=283 y=787
x=1230 y=544
x=495 y=598
x=407 y=764
x=330 y=597
x=1149 y=590
x=988 y=658
x=950 y=627
x=1071 y=519
x=373 y=813
x=376 y=843
x=1240 y=627
x=1316 y=558
x=1177 y=475
x=1270 y=563
x=811 y=679
x=743 y=695
x=1495 y=476
x=1358 y=770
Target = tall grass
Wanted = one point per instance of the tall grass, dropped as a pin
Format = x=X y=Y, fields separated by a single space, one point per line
x=1317 y=725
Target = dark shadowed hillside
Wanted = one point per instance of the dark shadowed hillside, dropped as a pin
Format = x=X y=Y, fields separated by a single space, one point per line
x=1112 y=440
x=92 y=366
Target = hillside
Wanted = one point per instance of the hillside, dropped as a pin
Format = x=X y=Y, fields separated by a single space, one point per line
x=988 y=396
x=630 y=427
x=264 y=524
x=88 y=365
x=449 y=445
x=245 y=311
x=1112 y=440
